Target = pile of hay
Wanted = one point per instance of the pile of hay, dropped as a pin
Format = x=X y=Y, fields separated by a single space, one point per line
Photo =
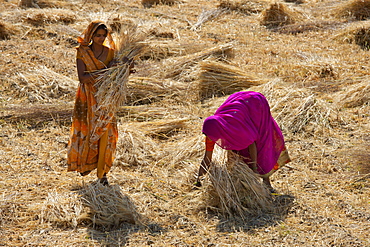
x=357 y=34
x=143 y=90
x=244 y=6
x=159 y=50
x=118 y=23
x=161 y=129
x=354 y=96
x=234 y=189
x=277 y=15
x=178 y=66
x=101 y=206
x=354 y=9
x=112 y=84
x=218 y=78
x=307 y=27
x=150 y=3
x=108 y=206
x=6 y=30
x=43 y=84
x=39 y=17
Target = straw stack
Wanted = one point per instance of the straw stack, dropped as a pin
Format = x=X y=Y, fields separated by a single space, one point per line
x=355 y=9
x=218 y=78
x=277 y=15
x=112 y=84
x=108 y=207
x=234 y=189
x=245 y=7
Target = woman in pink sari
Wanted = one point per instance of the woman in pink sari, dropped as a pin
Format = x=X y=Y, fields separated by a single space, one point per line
x=244 y=124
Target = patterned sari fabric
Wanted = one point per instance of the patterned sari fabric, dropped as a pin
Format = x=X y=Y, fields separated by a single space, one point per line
x=245 y=118
x=92 y=141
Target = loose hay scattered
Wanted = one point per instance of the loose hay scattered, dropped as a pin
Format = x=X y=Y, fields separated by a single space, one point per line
x=39 y=17
x=277 y=15
x=355 y=9
x=234 y=189
x=63 y=210
x=217 y=79
x=244 y=6
x=112 y=85
x=135 y=148
x=299 y=110
x=307 y=27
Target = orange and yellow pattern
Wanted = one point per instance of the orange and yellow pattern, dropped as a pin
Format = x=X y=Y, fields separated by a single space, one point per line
x=92 y=141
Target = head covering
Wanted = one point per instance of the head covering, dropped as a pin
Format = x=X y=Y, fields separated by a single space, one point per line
x=242 y=119
x=86 y=37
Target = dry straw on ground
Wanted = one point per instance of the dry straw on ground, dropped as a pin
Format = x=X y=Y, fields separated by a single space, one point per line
x=142 y=90
x=354 y=9
x=298 y=110
x=108 y=206
x=7 y=30
x=150 y=3
x=218 y=78
x=40 y=17
x=112 y=84
x=159 y=50
x=177 y=66
x=244 y=6
x=278 y=14
x=234 y=189
x=135 y=148
x=358 y=34
x=43 y=84
x=354 y=95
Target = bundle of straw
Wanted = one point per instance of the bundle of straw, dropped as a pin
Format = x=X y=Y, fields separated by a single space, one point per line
x=108 y=207
x=219 y=78
x=278 y=14
x=111 y=84
x=235 y=190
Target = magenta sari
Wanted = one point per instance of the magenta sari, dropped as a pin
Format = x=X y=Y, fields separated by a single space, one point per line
x=242 y=119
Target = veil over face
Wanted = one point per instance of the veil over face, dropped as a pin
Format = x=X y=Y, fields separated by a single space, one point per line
x=245 y=118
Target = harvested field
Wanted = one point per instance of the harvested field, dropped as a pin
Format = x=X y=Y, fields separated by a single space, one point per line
x=309 y=58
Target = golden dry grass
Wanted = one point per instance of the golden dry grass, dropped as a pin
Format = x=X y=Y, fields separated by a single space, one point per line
x=317 y=88
x=354 y=9
x=278 y=14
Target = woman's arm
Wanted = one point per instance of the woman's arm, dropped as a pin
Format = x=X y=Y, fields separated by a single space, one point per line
x=204 y=165
x=253 y=154
x=83 y=76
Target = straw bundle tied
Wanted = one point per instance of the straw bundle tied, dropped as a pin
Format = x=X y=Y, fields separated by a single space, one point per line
x=179 y=65
x=111 y=85
x=234 y=189
x=277 y=15
x=147 y=90
x=108 y=207
x=221 y=79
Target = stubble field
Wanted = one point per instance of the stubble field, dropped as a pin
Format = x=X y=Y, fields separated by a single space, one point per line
x=310 y=59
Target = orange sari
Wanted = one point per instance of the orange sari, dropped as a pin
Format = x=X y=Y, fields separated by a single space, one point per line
x=92 y=141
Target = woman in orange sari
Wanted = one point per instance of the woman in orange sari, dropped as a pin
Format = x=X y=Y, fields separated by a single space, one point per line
x=92 y=142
